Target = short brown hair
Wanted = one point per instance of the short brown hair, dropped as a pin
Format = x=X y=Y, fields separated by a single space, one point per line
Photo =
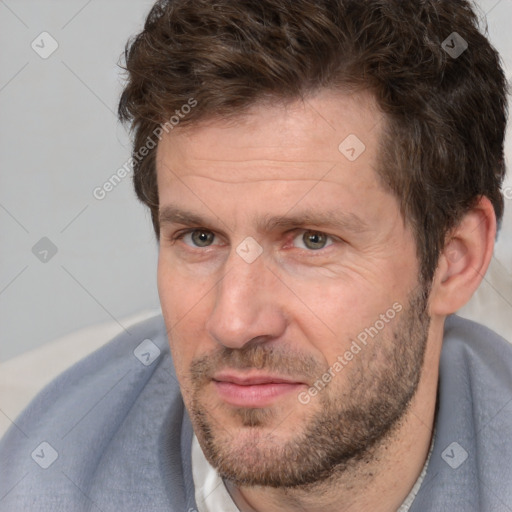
x=442 y=148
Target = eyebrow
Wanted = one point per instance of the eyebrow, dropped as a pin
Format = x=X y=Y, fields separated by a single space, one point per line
x=331 y=219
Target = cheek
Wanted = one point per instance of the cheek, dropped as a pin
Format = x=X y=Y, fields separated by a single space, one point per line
x=180 y=292
x=336 y=310
x=345 y=322
x=183 y=302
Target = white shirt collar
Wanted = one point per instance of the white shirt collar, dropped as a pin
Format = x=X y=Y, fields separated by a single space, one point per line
x=212 y=496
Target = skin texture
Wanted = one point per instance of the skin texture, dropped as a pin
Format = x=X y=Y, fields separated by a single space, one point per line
x=294 y=310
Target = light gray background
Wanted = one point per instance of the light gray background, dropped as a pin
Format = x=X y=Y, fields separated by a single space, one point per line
x=59 y=139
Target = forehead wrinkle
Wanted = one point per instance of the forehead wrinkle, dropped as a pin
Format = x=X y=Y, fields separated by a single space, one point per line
x=264 y=160
x=311 y=168
x=260 y=180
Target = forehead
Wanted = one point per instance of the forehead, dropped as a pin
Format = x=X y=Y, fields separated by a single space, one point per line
x=281 y=165
x=300 y=140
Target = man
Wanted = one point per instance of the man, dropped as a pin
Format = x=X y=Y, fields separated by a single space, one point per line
x=324 y=182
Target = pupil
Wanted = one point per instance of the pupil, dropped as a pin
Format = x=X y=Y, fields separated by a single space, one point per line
x=314 y=240
x=202 y=238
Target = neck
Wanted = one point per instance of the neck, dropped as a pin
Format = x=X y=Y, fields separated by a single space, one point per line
x=380 y=482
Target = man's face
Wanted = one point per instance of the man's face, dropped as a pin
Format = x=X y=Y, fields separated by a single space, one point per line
x=289 y=288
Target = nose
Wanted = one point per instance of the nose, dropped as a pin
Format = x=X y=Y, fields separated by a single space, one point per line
x=246 y=304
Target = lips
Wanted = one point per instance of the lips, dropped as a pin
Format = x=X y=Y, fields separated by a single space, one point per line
x=253 y=390
x=253 y=379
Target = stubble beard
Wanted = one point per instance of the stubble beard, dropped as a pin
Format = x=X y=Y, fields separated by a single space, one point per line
x=344 y=428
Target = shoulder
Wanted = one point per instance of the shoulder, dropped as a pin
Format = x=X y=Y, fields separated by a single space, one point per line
x=133 y=355
x=476 y=380
x=477 y=351
x=94 y=427
x=470 y=464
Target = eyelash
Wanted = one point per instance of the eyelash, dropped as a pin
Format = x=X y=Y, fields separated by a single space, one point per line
x=180 y=235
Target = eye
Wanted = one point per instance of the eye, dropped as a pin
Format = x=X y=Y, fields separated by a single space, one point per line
x=313 y=240
x=197 y=238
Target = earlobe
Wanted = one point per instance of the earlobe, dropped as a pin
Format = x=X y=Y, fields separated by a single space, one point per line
x=464 y=259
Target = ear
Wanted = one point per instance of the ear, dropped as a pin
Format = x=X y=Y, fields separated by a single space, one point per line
x=464 y=261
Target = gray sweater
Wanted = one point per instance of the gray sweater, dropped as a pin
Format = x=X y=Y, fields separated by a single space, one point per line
x=111 y=433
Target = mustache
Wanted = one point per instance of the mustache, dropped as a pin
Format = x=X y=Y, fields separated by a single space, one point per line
x=282 y=361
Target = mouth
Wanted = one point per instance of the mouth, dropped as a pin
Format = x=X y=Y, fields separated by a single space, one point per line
x=254 y=390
